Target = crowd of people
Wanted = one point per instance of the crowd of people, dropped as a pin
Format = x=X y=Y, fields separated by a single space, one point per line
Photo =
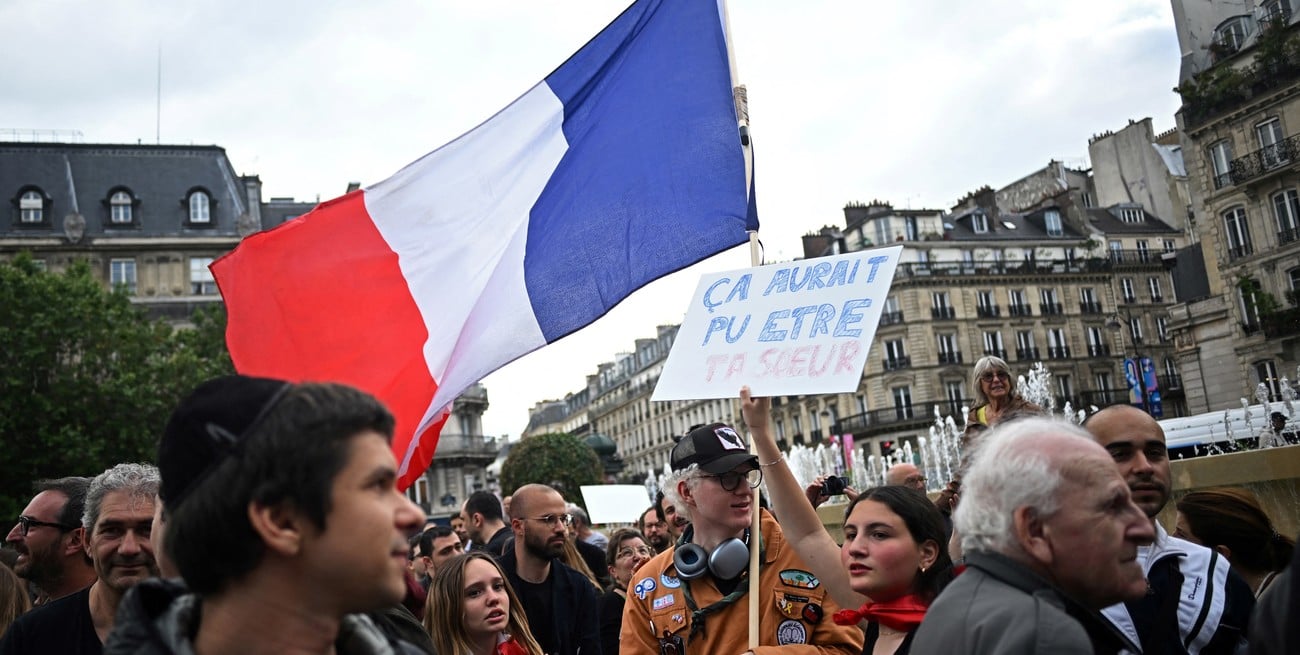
x=272 y=523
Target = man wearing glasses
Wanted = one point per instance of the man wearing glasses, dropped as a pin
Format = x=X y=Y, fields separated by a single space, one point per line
x=693 y=598
x=50 y=541
x=560 y=602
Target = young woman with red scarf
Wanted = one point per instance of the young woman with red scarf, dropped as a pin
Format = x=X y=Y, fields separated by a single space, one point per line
x=893 y=562
x=472 y=610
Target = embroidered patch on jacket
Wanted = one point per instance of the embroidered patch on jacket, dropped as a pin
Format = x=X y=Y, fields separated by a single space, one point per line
x=799 y=578
x=644 y=587
x=791 y=632
x=670 y=582
x=663 y=601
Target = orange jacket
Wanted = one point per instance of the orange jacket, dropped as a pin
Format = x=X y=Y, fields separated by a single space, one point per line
x=795 y=611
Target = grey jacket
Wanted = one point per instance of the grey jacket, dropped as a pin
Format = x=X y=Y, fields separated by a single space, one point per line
x=999 y=606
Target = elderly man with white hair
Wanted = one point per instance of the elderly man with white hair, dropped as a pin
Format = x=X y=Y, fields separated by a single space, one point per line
x=1050 y=533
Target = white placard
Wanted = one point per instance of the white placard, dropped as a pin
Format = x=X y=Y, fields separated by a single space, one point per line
x=783 y=329
x=615 y=503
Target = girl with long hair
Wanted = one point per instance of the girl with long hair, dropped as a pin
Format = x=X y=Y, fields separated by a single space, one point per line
x=1231 y=521
x=893 y=562
x=472 y=610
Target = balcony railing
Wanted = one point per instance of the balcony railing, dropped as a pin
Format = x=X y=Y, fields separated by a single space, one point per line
x=1171 y=381
x=950 y=357
x=988 y=311
x=1237 y=252
x=1288 y=235
x=1000 y=353
x=996 y=268
x=1098 y=350
x=891 y=318
x=1023 y=354
x=1020 y=310
x=1058 y=352
x=1129 y=300
x=467 y=445
x=1090 y=308
x=1285 y=323
x=1266 y=159
x=1104 y=397
x=1222 y=180
x=897 y=363
x=1134 y=258
x=879 y=420
x=1050 y=309
x=1155 y=297
x=943 y=313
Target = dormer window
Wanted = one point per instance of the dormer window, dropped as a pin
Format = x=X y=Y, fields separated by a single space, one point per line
x=31 y=207
x=979 y=223
x=119 y=208
x=1131 y=215
x=1052 y=222
x=1230 y=35
x=198 y=206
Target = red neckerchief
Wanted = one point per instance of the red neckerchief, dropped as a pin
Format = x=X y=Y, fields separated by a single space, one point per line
x=902 y=613
x=510 y=647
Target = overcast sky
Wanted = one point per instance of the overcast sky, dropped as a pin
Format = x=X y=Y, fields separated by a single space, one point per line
x=912 y=102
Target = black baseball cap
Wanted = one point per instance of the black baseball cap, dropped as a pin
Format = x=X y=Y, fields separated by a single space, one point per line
x=716 y=447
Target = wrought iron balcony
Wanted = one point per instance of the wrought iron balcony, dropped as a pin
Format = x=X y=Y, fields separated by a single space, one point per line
x=996 y=352
x=1285 y=323
x=897 y=363
x=891 y=318
x=1050 y=309
x=1237 y=252
x=945 y=312
x=1134 y=258
x=1020 y=310
x=953 y=357
x=1129 y=300
x=988 y=311
x=1058 y=352
x=1287 y=236
x=1104 y=397
x=881 y=420
x=1098 y=350
x=1090 y=308
x=1171 y=381
x=1155 y=297
x=1266 y=159
x=1023 y=354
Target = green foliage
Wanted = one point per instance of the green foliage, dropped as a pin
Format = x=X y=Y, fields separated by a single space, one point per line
x=87 y=380
x=560 y=460
x=1276 y=59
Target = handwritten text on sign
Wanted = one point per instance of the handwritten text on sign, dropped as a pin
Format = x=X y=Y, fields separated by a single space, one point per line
x=783 y=329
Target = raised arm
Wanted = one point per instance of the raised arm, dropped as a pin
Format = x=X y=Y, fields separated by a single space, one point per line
x=799 y=521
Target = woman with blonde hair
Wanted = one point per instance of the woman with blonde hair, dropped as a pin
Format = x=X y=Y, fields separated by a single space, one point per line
x=14 y=601
x=472 y=610
x=996 y=397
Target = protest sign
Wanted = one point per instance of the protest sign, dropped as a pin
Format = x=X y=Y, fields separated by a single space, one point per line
x=783 y=329
x=615 y=503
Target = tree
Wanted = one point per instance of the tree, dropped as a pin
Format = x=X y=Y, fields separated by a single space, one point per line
x=560 y=460
x=87 y=379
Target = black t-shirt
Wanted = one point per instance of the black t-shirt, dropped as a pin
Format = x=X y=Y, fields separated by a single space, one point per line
x=611 y=621
x=63 y=626
x=536 y=599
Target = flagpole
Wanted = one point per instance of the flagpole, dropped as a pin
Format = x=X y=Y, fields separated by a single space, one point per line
x=741 y=99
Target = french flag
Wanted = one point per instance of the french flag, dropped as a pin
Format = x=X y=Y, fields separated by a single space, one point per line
x=623 y=165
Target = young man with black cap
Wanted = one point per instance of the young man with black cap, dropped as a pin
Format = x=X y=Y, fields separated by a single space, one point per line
x=693 y=598
x=283 y=518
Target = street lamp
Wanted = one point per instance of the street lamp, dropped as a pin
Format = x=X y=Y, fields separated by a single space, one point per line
x=1134 y=374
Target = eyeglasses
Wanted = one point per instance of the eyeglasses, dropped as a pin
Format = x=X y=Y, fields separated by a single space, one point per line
x=913 y=479
x=989 y=377
x=26 y=523
x=731 y=479
x=639 y=550
x=553 y=519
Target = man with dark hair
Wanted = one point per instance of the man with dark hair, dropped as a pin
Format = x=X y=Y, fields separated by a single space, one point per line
x=675 y=522
x=560 y=602
x=50 y=541
x=118 y=517
x=482 y=514
x=655 y=529
x=283 y=518
x=430 y=549
x=1194 y=602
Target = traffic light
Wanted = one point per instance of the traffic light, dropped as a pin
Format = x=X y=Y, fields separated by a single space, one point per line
x=886 y=448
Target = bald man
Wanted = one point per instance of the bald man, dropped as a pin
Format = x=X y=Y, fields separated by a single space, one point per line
x=560 y=603
x=1208 y=605
x=905 y=475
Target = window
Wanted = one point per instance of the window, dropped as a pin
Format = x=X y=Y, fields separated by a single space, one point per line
x=1116 y=251
x=895 y=354
x=1064 y=387
x=1162 y=329
x=1221 y=163
x=780 y=428
x=1144 y=251
x=1051 y=302
x=1095 y=339
x=1168 y=245
x=1131 y=214
x=1286 y=211
x=862 y=404
x=941 y=305
x=1017 y=303
x=1229 y=35
x=1153 y=285
x=1135 y=329
x=201 y=280
x=909 y=228
x=985 y=303
x=1266 y=374
x=891 y=305
x=1272 y=149
x=1052 y=221
x=1126 y=285
x=1293 y=277
x=1102 y=380
x=1248 y=303
x=881 y=226
x=1088 y=301
x=119 y=208
x=1235 y=226
x=953 y=390
x=31 y=207
x=979 y=223
x=200 y=207
x=1271 y=10
x=902 y=402
x=121 y=273
x=1056 y=345
x=993 y=344
x=947 y=348
x=1025 y=348
x=1087 y=200
x=1172 y=379
x=40 y=264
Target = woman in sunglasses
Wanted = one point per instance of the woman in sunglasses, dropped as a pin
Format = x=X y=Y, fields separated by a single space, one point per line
x=473 y=611
x=893 y=562
x=996 y=398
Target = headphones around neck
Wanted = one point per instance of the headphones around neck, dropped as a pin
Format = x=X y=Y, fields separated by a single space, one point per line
x=726 y=561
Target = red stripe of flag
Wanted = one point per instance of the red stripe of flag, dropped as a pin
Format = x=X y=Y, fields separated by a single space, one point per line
x=322 y=298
